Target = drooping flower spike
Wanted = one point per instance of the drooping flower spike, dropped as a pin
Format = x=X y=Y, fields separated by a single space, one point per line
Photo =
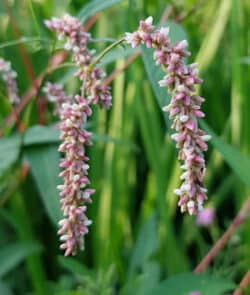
x=74 y=112
x=184 y=109
x=9 y=76
x=73 y=191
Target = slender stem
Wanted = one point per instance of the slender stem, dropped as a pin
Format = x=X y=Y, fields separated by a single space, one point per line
x=131 y=58
x=105 y=51
x=238 y=220
x=23 y=40
x=60 y=66
x=243 y=284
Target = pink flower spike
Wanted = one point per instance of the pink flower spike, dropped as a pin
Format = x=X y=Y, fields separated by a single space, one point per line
x=184 y=109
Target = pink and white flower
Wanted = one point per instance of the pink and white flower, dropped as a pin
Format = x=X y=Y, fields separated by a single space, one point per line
x=184 y=109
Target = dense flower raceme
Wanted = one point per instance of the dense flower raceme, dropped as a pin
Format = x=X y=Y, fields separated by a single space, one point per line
x=73 y=113
x=76 y=42
x=74 y=193
x=184 y=109
x=9 y=76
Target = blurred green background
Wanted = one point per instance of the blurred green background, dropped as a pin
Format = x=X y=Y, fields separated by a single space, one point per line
x=138 y=239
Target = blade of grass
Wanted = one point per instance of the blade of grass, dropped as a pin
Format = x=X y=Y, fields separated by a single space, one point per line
x=25 y=233
x=212 y=39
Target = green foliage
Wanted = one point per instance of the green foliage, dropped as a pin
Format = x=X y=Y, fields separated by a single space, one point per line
x=145 y=246
x=44 y=164
x=182 y=284
x=138 y=243
x=4 y=289
x=41 y=135
x=9 y=151
x=93 y=7
x=12 y=255
x=238 y=162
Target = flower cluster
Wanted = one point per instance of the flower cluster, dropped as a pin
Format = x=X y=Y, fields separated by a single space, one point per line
x=76 y=42
x=73 y=113
x=9 y=76
x=55 y=94
x=184 y=109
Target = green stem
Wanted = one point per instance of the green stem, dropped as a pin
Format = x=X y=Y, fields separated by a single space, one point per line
x=61 y=66
x=104 y=52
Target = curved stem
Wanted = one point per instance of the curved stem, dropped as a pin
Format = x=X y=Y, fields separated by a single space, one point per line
x=105 y=51
x=243 y=284
x=238 y=220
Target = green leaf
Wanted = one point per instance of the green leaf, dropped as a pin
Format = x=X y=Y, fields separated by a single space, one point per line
x=44 y=164
x=239 y=163
x=95 y=6
x=9 y=151
x=12 y=255
x=41 y=134
x=183 y=284
x=143 y=282
x=73 y=266
x=154 y=72
x=146 y=244
x=4 y=289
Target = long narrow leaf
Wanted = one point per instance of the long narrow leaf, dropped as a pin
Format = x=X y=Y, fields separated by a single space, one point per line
x=44 y=163
x=9 y=151
x=12 y=255
x=239 y=163
x=95 y=6
x=186 y=283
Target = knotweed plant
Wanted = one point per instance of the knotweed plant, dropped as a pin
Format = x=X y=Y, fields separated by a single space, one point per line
x=74 y=111
x=184 y=109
